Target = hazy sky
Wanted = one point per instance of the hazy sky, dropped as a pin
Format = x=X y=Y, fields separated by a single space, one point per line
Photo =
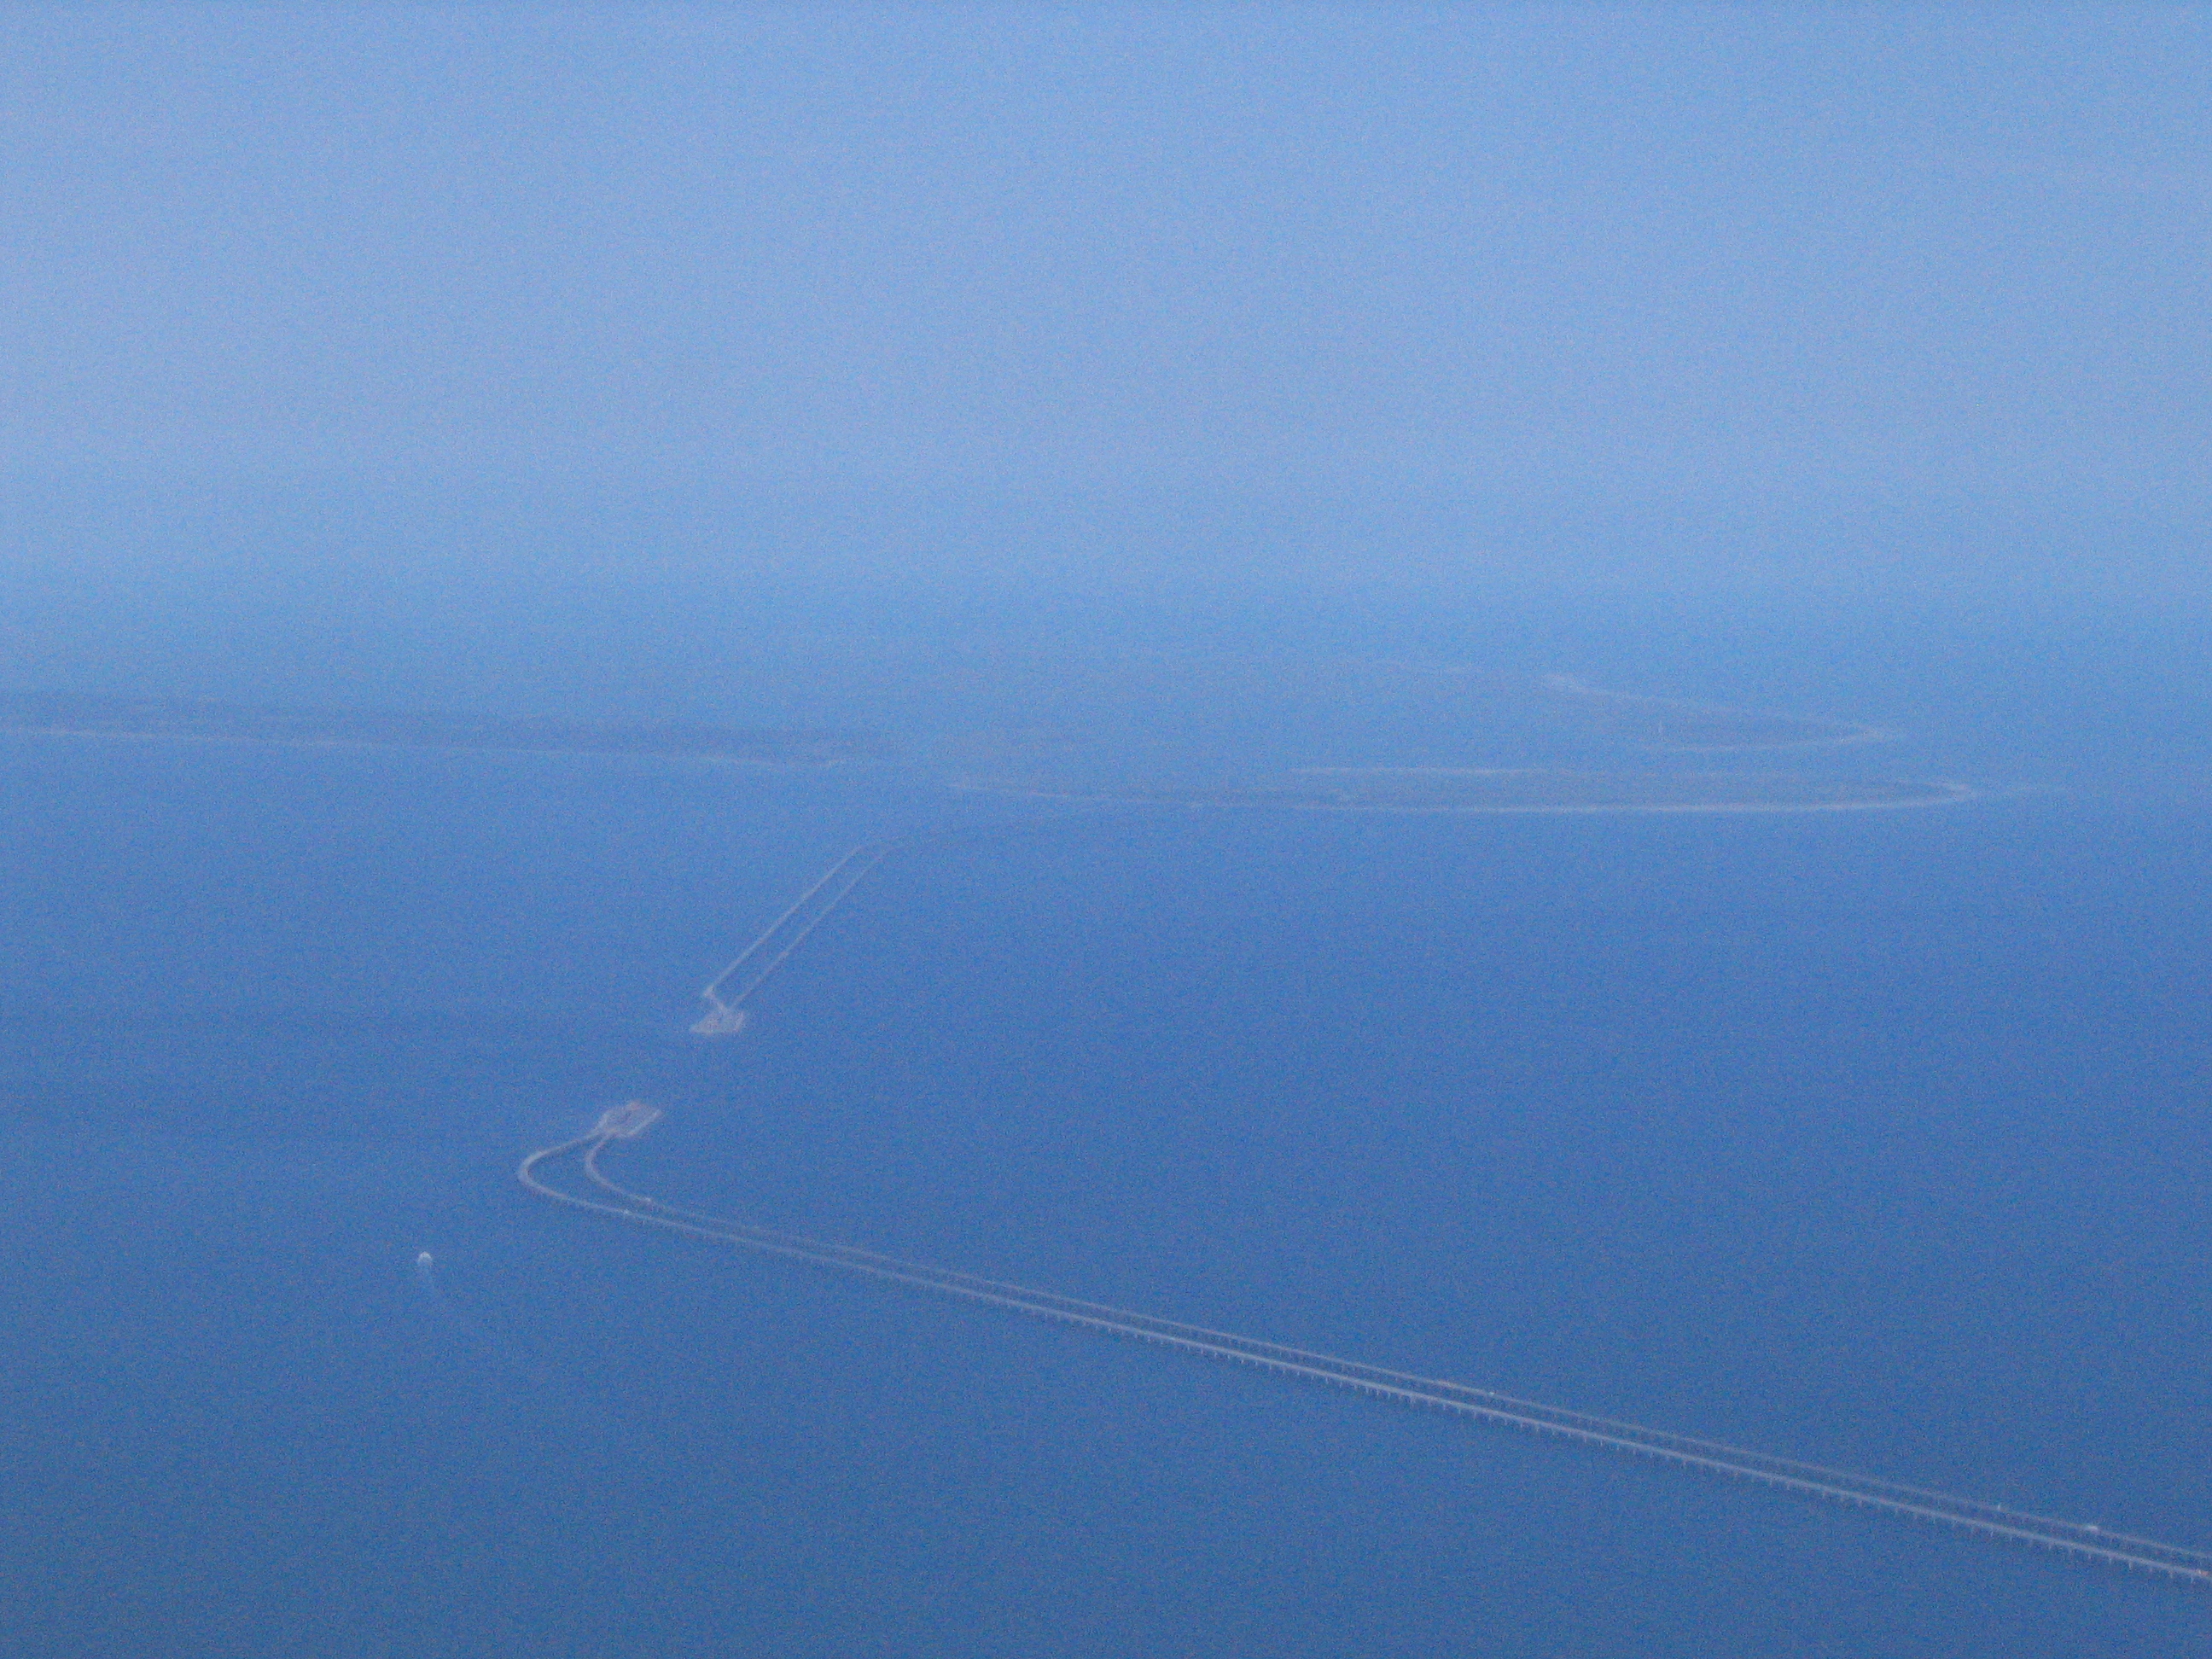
x=1645 y=250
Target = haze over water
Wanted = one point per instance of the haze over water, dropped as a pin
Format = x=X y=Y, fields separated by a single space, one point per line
x=1049 y=390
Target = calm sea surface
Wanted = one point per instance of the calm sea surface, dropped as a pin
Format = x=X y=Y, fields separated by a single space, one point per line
x=1877 y=1138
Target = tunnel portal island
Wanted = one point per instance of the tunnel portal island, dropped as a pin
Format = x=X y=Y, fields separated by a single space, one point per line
x=626 y=1121
x=721 y=1019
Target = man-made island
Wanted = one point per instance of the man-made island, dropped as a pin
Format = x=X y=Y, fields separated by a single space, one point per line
x=64 y=715
x=1518 y=789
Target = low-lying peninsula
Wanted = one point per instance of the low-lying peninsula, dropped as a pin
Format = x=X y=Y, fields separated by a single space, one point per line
x=1672 y=724
x=62 y=714
x=1519 y=789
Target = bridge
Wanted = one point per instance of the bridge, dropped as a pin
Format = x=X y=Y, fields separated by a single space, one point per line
x=571 y=1174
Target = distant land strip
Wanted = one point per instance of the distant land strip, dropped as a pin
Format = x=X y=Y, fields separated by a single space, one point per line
x=1515 y=789
x=64 y=715
x=1676 y=725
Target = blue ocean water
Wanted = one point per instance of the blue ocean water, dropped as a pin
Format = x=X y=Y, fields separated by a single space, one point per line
x=1871 y=1138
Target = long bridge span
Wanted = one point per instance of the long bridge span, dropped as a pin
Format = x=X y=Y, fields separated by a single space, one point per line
x=726 y=993
x=589 y=1188
x=603 y=1195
